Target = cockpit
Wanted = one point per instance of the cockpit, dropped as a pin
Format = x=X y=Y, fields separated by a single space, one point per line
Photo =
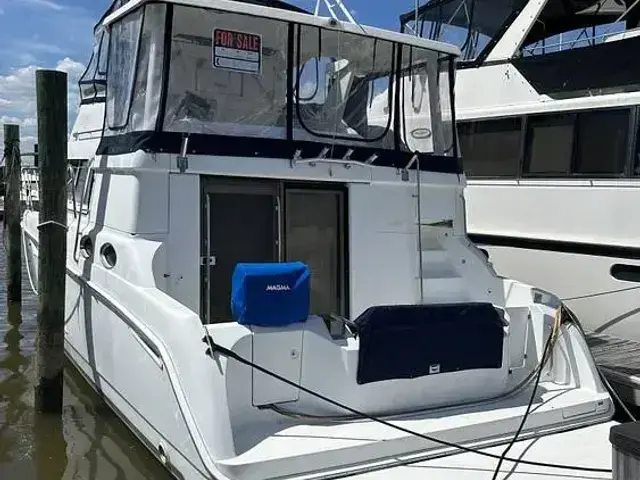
x=215 y=69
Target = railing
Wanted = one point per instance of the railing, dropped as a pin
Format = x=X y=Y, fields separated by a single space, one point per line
x=30 y=187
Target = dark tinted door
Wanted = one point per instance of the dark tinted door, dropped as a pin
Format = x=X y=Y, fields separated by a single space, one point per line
x=241 y=228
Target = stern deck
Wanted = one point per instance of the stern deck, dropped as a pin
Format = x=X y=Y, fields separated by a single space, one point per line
x=296 y=451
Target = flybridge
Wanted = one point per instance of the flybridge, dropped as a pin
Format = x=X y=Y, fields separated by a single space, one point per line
x=492 y=30
x=257 y=83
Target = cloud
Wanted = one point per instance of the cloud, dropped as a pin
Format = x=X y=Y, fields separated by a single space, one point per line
x=47 y=4
x=18 y=98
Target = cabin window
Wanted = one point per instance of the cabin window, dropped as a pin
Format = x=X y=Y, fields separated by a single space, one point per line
x=215 y=87
x=592 y=143
x=491 y=148
x=93 y=81
x=589 y=143
x=550 y=144
x=343 y=86
x=123 y=54
x=602 y=142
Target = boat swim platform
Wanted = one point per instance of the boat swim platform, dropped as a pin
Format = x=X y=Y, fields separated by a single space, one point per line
x=619 y=360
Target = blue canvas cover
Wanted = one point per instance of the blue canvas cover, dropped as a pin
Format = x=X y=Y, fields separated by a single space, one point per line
x=270 y=294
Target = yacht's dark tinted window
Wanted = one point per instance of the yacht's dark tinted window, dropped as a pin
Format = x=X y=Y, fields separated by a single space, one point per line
x=550 y=144
x=635 y=161
x=601 y=146
x=491 y=148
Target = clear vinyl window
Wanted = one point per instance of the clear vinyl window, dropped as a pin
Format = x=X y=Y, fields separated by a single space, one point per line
x=343 y=86
x=135 y=71
x=123 y=53
x=223 y=89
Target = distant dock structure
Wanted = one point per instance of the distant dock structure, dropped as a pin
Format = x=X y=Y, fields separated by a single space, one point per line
x=28 y=179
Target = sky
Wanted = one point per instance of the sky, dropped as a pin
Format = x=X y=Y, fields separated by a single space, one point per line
x=58 y=34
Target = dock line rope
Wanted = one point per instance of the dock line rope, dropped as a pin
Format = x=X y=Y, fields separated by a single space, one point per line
x=611 y=390
x=215 y=348
x=52 y=222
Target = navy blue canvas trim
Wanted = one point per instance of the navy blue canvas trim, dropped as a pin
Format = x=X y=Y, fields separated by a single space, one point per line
x=166 y=65
x=227 y=146
x=412 y=341
x=590 y=68
x=92 y=100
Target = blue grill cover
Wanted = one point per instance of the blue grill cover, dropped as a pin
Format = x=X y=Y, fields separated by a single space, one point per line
x=270 y=294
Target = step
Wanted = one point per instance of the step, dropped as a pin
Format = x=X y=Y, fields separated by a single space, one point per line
x=445 y=289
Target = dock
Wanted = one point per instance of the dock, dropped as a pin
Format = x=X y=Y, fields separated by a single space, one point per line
x=619 y=360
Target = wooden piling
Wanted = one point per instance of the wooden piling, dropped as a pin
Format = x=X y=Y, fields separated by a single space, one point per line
x=12 y=213
x=51 y=94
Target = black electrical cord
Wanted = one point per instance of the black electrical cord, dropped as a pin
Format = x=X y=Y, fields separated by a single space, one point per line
x=543 y=361
x=573 y=319
x=214 y=348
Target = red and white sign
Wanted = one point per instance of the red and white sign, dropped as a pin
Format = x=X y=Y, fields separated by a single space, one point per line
x=237 y=51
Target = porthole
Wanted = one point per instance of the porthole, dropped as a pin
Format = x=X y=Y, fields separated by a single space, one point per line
x=625 y=273
x=108 y=255
x=86 y=246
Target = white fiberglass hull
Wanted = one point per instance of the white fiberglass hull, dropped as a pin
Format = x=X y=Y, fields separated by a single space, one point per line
x=110 y=351
x=136 y=369
x=584 y=282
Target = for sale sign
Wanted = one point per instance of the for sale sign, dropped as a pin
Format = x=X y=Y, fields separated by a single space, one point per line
x=237 y=51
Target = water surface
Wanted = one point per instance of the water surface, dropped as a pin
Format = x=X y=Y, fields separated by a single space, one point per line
x=88 y=442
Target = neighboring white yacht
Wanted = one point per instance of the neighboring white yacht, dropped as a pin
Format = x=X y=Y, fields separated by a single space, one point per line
x=266 y=280
x=547 y=96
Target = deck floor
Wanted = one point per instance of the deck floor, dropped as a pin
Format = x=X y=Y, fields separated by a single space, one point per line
x=615 y=353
